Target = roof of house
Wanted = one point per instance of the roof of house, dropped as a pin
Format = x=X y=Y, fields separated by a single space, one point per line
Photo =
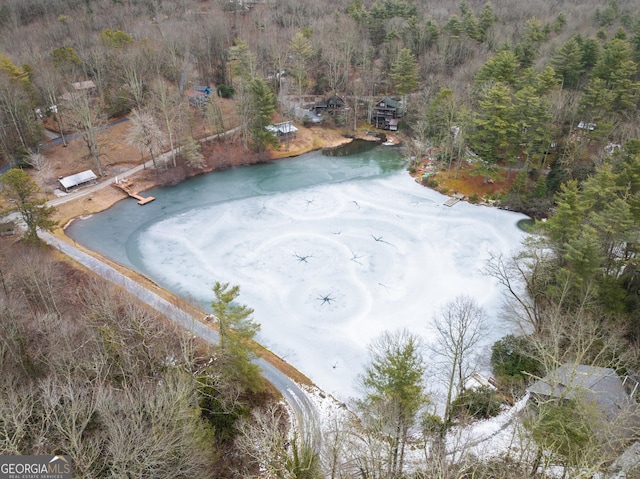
x=77 y=179
x=587 y=126
x=335 y=100
x=388 y=102
x=600 y=386
x=282 y=128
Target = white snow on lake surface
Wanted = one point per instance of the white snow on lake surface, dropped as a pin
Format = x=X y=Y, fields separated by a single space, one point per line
x=328 y=268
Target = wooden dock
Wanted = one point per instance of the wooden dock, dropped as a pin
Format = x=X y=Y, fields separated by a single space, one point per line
x=454 y=199
x=126 y=187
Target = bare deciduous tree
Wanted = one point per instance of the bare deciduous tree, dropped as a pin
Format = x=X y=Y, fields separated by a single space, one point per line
x=459 y=327
x=166 y=103
x=262 y=440
x=146 y=135
x=85 y=115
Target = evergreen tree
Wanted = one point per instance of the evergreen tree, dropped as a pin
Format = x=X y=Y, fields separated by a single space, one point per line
x=494 y=127
x=115 y=38
x=393 y=384
x=17 y=74
x=502 y=67
x=264 y=105
x=25 y=194
x=487 y=20
x=565 y=223
x=567 y=62
x=404 y=72
x=597 y=99
x=470 y=22
x=617 y=70
x=301 y=51
x=237 y=330
x=242 y=60
x=590 y=52
x=533 y=121
x=546 y=81
x=440 y=121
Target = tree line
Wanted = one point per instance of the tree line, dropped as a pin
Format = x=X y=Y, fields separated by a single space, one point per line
x=549 y=96
x=514 y=84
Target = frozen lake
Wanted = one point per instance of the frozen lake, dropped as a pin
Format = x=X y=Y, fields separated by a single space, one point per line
x=329 y=252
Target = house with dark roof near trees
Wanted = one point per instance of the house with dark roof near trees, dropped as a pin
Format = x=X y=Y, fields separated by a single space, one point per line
x=386 y=113
x=600 y=390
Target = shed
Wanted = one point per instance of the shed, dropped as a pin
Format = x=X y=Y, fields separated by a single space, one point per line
x=196 y=97
x=283 y=131
x=78 y=179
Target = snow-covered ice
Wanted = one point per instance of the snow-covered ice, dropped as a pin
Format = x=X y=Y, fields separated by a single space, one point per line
x=328 y=268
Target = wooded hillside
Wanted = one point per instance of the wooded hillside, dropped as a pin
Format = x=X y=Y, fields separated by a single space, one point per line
x=542 y=96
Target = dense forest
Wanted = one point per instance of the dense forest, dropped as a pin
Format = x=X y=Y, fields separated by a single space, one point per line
x=543 y=93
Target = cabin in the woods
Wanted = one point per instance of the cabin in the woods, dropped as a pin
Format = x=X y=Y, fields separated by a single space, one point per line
x=332 y=105
x=80 y=88
x=386 y=113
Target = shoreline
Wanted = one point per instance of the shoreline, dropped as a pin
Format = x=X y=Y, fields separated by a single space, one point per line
x=97 y=198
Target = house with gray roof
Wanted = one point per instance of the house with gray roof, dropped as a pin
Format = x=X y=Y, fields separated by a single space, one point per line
x=600 y=389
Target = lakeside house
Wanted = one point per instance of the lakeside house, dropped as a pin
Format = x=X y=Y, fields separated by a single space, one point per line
x=386 y=113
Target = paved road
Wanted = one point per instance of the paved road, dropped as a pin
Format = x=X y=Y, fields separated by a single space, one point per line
x=304 y=412
x=87 y=190
x=57 y=139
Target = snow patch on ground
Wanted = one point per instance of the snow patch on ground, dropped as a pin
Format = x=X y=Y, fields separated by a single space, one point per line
x=491 y=438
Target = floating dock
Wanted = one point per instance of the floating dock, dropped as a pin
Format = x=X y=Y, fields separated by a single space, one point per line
x=125 y=186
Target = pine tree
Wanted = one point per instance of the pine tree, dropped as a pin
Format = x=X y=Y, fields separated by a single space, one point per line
x=404 y=72
x=567 y=63
x=264 y=105
x=301 y=50
x=25 y=194
x=502 y=67
x=393 y=384
x=565 y=223
x=617 y=70
x=494 y=127
x=237 y=330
